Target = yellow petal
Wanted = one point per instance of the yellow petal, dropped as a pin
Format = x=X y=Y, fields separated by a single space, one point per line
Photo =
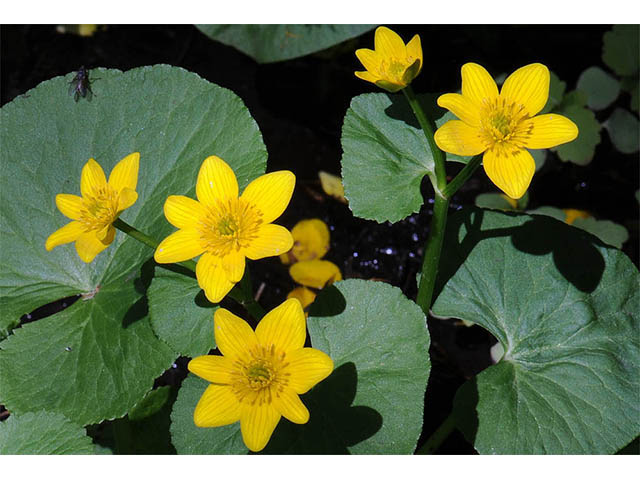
x=308 y=367
x=234 y=336
x=367 y=76
x=216 y=182
x=183 y=212
x=304 y=296
x=270 y=240
x=69 y=205
x=257 y=423
x=477 y=84
x=390 y=86
x=212 y=278
x=388 y=44
x=550 y=130
x=106 y=234
x=213 y=368
x=315 y=273
x=179 y=246
x=571 y=214
x=125 y=173
x=369 y=59
x=461 y=107
x=67 y=234
x=126 y=198
x=332 y=185
x=284 y=327
x=510 y=171
x=218 y=406
x=271 y=193
x=311 y=239
x=288 y=404
x=528 y=86
x=233 y=264
x=457 y=137
x=88 y=245
x=92 y=178
x=414 y=51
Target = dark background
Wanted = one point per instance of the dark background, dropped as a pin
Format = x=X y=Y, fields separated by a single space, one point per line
x=300 y=105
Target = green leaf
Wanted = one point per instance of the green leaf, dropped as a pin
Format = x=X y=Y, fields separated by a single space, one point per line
x=624 y=130
x=180 y=313
x=273 y=43
x=385 y=152
x=620 y=49
x=43 y=433
x=151 y=404
x=609 y=232
x=499 y=201
x=582 y=149
x=564 y=307
x=556 y=92
x=373 y=400
x=601 y=88
x=175 y=119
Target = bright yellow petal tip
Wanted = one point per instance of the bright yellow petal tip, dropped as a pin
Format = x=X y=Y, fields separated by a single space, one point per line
x=503 y=124
x=260 y=375
x=100 y=205
x=392 y=65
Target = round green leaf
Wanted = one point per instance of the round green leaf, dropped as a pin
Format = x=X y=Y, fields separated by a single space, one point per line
x=180 y=313
x=495 y=201
x=385 y=152
x=565 y=309
x=624 y=130
x=620 y=49
x=601 y=88
x=43 y=433
x=609 y=232
x=273 y=43
x=582 y=149
x=175 y=119
x=371 y=403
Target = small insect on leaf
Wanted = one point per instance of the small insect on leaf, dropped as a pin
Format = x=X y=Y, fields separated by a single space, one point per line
x=80 y=86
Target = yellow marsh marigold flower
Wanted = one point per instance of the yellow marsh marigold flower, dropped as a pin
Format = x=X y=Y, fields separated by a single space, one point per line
x=225 y=228
x=101 y=203
x=392 y=65
x=503 y=125
x=310 y=241
x=315 y=273
x=260 y=374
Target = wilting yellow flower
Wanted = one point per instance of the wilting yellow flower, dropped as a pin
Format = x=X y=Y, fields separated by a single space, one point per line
x=315 y=273
x=310 y=241
x=392 y=65
x=304 y=295
x=503 y=125
x=571 y=214
x=260 y=374
x=101 y=203
x=225 y=228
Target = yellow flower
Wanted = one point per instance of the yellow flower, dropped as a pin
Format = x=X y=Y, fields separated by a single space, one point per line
x=260 y=374
x=304 y=295
x=101 y=203
x=392 y=65
x=315 y=273
x=503 y=125
x=225 y=228
x=571 y=214
x=310 y=241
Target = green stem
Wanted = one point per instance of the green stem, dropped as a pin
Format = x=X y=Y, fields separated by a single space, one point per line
x=427 y=127
x=462 y=177
x=440 y=435
x=432 y=251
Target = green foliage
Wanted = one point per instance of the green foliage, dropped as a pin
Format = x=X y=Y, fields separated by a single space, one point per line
x=601 y=88
x=582 y=149
x=373 y=400
x=43 y=433
x=96 y=359
x=620 y=49
x=624 y=130
x=564 y=307
x=180 y=313
x=385 y=152
x=273 y=43
x=499 y=201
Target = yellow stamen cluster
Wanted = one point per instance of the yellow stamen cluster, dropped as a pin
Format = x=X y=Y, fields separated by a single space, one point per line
x=229 y=226
x=503 y=124
x=100 y=209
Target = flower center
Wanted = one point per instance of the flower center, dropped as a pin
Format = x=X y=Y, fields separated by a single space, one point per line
x=505 y=124
x=230 y=225
x=99 y=209
x=393 y=70
x=259 y=375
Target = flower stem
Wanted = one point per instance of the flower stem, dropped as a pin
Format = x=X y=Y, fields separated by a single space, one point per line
x=427 y=128
x=440 y=435
x=464 y=175
x=432 y=251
